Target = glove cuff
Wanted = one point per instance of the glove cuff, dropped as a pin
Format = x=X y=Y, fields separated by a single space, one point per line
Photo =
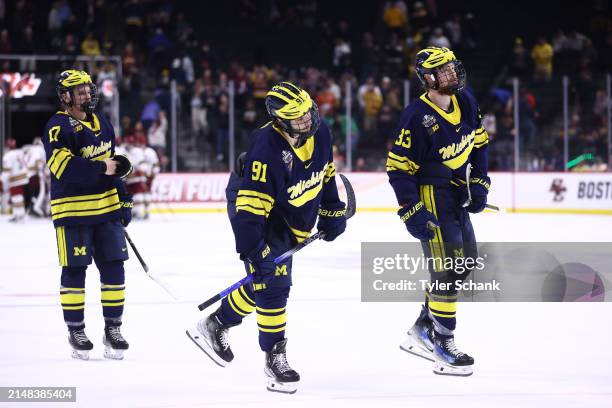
x=484 y=182
x=408 y=211
x=335 y=210
x=259 y=253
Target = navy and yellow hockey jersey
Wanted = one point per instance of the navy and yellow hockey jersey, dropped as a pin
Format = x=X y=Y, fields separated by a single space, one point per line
x=428 y=135
x=80 y=191
x=287 y=181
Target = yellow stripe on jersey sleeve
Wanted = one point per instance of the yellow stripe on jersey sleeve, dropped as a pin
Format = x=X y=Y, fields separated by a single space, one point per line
x=401 y=163
x=254 y=202
x=59 y=160
x=482 y=138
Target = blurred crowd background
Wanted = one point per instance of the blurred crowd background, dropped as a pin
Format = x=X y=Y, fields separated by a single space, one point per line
x=323 y=46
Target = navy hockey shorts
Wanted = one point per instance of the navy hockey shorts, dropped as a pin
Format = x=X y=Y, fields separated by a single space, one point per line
x=78 y=244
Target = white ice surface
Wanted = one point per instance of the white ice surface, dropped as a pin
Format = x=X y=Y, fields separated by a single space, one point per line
x=527 y=354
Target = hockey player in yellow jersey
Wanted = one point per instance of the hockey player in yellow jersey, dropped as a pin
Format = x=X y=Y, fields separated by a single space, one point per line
x=438 y=170
x=89 y=208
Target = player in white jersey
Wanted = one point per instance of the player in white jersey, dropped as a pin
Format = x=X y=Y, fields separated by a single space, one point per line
x=136 y=182
x=152 y=169
x=13 y=164
x=34 y=155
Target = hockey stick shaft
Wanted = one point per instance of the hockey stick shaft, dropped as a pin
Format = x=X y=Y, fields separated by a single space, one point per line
x=144 y=265
x=142 y=262
x=351 y=207
x=225 y=292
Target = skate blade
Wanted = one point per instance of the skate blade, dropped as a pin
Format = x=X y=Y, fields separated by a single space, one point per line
x=113 y=354
x=284 y=388
x=414 y=347
x=200 y=341
x=457 y=371
x=80 y=354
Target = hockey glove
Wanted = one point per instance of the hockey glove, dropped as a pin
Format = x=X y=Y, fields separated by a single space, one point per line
x=261 y=264
x=332 y=220
x=124 y=166
x=418 y=221
x=479 y=188
x=126 y=211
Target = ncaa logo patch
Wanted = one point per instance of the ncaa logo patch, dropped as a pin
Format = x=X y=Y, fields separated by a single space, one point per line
x=428 y=121
x=287 y=159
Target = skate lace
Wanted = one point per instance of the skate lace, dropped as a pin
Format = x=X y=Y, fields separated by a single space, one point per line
x=115 y=334
x=224 y=339
x=80 y=336
x=280 y=361
x=450 y=345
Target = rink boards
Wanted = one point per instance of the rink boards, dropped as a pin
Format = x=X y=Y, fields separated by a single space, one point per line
x=560 y=193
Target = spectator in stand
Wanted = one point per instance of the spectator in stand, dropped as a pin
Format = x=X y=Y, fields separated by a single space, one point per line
x=70 y=46
x=248 y=123
x=6 y=47
x=159 y=46
x=370 y=101
x=326 y=99
x=390 y=94
x=519 y=59
x=150 y=113
x=126 y=126
x=27 y=46
x=420 y=20
x=222 y=123
x=368 y=58
x=342 y=55
x=394 y=16
x=387 y=121
x=157 y=135
x=542 y=55
x=199 y=119
x=503 y=145
x=90 y=46
x=134 y=20
x=438 y=39
x=394 y=57
x=453 y=27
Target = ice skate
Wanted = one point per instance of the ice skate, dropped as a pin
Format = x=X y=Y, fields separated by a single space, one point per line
x=17 y=218
x=282 y=378
x=80 y=344
x=211 y=336
x=449 y=360
x=114 y=343
x=419 y=339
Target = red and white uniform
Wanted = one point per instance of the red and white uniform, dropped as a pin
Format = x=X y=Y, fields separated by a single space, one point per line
x=15 y=174
x=152 y=170
x=38 y=173
x=137 y=181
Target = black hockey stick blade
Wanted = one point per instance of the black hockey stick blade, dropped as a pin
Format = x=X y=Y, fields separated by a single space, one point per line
x=351 y=204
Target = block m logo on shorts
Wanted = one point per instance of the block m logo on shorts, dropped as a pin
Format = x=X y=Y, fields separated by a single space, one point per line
x=78 y=251
x=281 y=270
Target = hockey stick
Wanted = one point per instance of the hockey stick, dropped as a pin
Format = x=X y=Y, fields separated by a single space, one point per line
x=144 y=265
x=468 y=172
x=351 y=207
